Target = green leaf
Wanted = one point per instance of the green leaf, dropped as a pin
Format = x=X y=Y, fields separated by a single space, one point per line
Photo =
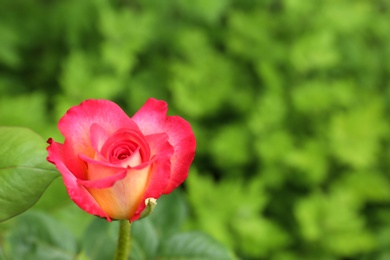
x=99 y=241
x=24 y=171
x=76 y=220
x=193 y=245
x=38 y=236
x=145 y=240
x=169 y=214
x=166 y=219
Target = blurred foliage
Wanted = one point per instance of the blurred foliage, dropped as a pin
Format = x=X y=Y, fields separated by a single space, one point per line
x=289 y=101
x=36 y=235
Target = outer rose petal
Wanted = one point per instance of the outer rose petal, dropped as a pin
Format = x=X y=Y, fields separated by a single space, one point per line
x=76 y=124
x=159 y=177
x=152 y=119
x=76 y=191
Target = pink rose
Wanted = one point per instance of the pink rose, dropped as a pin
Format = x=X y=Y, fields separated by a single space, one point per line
x=111 y=163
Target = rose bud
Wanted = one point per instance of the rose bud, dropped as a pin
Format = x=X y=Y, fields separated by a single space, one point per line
x=112 y=165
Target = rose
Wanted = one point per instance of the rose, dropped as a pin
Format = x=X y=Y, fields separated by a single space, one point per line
x=112 y=164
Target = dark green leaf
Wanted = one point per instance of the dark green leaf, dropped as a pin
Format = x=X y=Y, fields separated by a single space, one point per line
x=99 y=241
x=37 y=236
x=194 y=245
x=24 y=171
x=169 y=214
x=145 y=240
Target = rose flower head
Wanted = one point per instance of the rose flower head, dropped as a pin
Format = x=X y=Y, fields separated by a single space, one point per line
x=113 y=164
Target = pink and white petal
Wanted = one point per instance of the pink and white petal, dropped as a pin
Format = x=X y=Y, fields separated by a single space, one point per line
x=152 y=118
x=77 y=192
x=160 y=172
x=76 y=124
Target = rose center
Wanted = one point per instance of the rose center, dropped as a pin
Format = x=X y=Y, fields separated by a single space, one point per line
x=125 y=148
x=122 y=153
x=123 y=156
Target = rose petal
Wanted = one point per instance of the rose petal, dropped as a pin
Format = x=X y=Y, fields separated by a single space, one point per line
x=122 y=199
x=133 y=160
x=101 y=175
x=151 y=119
x=161 y=151
x=129 y=139
x=98 y=136
x=76 y=124
x=184 y=144
x=108 y=164
x=77 y=192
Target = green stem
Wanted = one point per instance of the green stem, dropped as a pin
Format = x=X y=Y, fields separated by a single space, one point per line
x=124 y=241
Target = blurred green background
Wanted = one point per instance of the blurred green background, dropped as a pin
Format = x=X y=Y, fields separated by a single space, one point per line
x=289 y=101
